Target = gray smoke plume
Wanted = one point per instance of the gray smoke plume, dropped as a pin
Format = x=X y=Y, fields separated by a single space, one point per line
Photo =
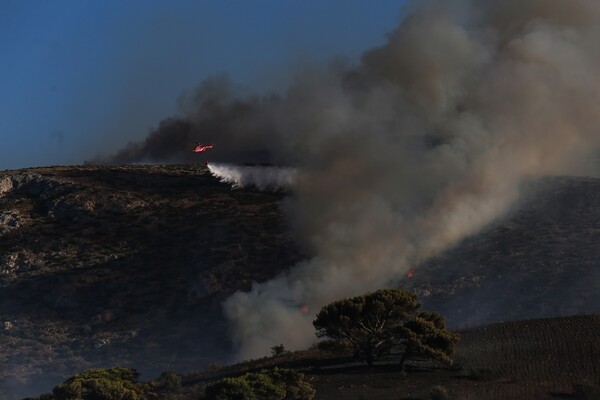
x=261 y=177
x=422 y=143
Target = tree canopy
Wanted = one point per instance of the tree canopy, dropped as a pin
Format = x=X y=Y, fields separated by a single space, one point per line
x=427 y=336
x=375 y=322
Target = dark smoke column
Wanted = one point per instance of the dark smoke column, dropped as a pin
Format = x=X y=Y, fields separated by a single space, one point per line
x=424 y=142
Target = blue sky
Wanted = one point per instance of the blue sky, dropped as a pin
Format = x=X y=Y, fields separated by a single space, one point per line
x=81 y=77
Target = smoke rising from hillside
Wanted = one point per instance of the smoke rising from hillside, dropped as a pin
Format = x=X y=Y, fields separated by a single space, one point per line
x=422 y=143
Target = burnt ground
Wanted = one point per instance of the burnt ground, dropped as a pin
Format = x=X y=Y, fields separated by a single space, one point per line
x=128 y=265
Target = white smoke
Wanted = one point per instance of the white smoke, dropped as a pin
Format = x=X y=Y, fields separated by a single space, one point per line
x=261 y=177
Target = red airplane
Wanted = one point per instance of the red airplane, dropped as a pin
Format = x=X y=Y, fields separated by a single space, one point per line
x=201 y=148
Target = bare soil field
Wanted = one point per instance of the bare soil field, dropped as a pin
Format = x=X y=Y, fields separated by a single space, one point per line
x=533 y=359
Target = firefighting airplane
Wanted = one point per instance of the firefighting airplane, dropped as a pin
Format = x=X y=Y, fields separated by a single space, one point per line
x=201 y=148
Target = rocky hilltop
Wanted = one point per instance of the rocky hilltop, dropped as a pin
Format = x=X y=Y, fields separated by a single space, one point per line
x=128 y=265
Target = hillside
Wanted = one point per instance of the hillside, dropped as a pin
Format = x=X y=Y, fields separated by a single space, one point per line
x=534 y=359
x=541 y=260
x=128 y=265
x=125 y=265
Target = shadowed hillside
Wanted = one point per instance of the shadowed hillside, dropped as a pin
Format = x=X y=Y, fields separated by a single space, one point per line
x=536 y=359
x=543 y=260
x=128 y=265
x=524 y=360
x=125 y=265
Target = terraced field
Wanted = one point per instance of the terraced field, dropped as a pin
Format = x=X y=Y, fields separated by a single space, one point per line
x=532 y=359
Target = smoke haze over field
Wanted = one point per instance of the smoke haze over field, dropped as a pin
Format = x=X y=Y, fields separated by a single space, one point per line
x=421 y=144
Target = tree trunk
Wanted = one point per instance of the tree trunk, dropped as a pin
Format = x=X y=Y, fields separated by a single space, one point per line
x=404 y=356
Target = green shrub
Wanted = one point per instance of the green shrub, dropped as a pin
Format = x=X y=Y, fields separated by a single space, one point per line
x=275 y=384
x=295 y=385
x=230 y=389
x=212 y=366
x=104 y=384
x=170 y=381
x=438 y=392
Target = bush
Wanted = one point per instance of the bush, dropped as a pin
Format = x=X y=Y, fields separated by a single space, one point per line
x=275 y=384
x=212 y=367
x=278 y=350
x=439 y=392
x=170 y=381
x=104 y=384
x=230 y=388
x=295 y=385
